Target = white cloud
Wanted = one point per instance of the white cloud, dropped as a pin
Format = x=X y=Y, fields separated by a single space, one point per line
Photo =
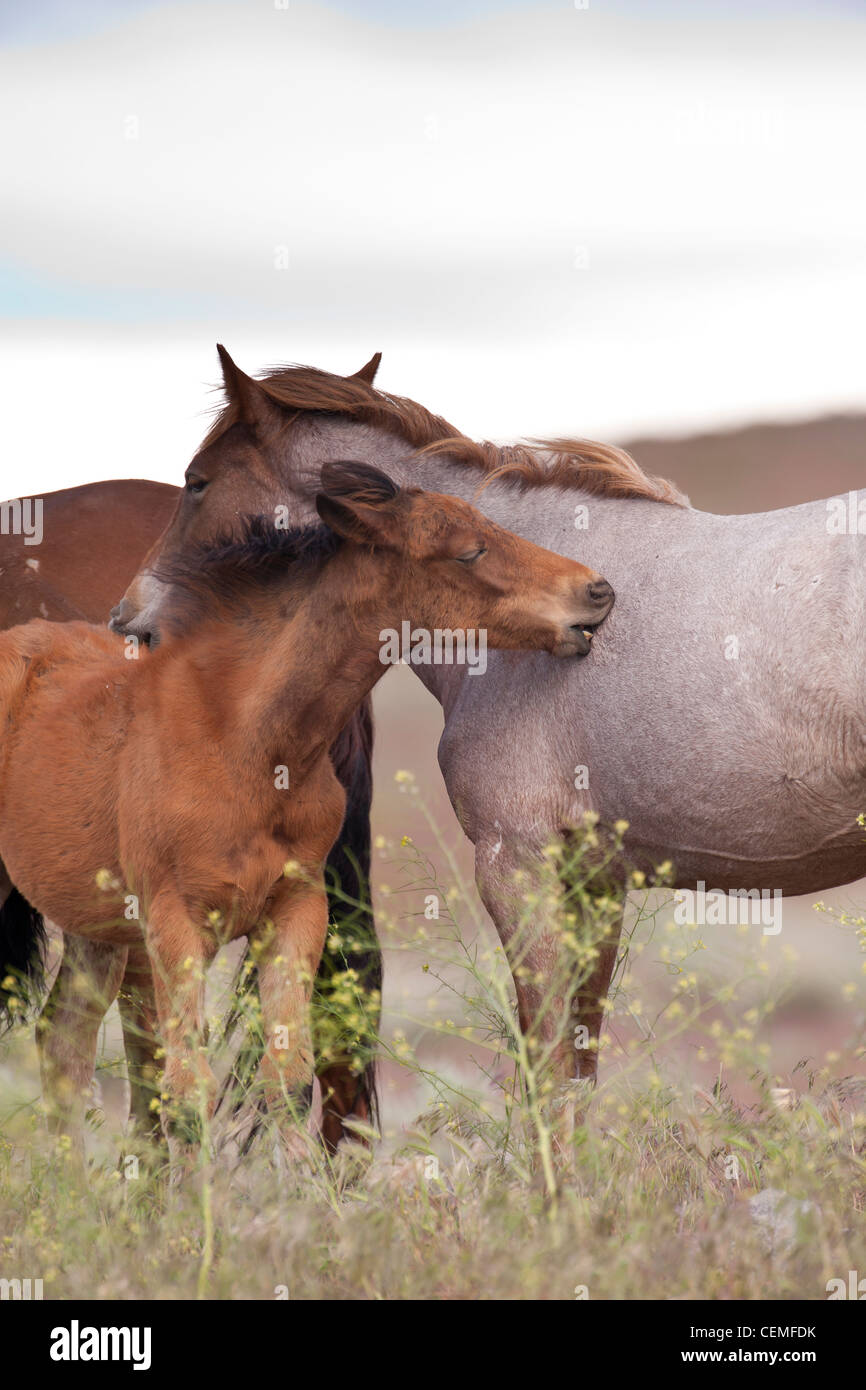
x=550 y=220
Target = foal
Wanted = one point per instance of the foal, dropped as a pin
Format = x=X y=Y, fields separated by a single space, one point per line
x=164 y=796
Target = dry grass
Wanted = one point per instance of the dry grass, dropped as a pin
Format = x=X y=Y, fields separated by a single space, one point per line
x=672 y=1190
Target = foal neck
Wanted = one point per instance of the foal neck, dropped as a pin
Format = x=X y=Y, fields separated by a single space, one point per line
x=289 y=671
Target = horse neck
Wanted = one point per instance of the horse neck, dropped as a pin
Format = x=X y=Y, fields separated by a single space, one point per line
x=295 y=672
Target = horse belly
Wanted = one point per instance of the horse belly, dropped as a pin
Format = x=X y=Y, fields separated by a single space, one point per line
x=730 y=815
x=737 y=823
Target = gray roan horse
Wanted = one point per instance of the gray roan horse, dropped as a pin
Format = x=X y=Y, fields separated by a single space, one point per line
x=721 y=712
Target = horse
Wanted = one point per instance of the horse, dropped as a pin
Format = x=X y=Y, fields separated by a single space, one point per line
x=92 y=541
x=722 y=715
x=187 y=797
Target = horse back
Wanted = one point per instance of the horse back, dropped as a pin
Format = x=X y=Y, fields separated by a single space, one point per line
x=34 y=648
x=93 y=541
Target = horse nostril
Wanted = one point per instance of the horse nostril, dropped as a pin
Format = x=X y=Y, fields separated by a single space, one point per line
x=600 y=591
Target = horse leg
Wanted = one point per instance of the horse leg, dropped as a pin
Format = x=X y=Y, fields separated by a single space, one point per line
x=290 y=947
x=348 y=1080
x=527 y=903
x=68 y=1029
x=137 y=1004
x=348 y=983
x=524 y=900
x=180 y=953
x=589 y=1007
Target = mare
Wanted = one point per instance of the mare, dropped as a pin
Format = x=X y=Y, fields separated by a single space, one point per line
x=723 y=711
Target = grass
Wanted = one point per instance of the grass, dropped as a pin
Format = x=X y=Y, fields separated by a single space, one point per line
x=737 y=1189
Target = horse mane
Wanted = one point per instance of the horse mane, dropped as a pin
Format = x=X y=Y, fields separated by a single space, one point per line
x=599 y=469
x=223 y=572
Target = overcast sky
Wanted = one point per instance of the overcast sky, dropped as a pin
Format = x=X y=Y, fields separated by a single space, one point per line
x=550 y=219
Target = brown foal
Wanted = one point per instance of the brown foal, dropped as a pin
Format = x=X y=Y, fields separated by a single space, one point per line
x=187 y=796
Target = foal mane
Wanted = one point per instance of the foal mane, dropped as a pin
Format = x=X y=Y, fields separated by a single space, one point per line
x=599 y=469
x=221 y=573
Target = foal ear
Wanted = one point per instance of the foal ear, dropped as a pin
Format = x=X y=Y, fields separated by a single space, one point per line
x=368 y=371
x=254 y=405
x=358 y=502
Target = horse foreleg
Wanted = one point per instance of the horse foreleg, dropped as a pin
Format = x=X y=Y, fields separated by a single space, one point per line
x=561 y=976
x=68 y=1029
x=523 y=898
x=290 y=948
x=179 y=954
x=137 y=1004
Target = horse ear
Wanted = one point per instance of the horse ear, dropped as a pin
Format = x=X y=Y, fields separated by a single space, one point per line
x=360 y=481
x=368 y=371
x=357 y=502
x=254 y=405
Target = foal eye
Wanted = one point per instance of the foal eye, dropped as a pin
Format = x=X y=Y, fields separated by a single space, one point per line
x=196 y=485
x=472 y=555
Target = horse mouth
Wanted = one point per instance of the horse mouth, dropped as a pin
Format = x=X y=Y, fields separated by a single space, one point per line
x=583 y=639
x=575 y=640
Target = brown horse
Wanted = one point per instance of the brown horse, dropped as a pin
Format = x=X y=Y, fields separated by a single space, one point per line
x=92 y=541
x=160 y=799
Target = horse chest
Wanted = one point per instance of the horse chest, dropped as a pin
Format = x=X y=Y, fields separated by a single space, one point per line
x=250 y=864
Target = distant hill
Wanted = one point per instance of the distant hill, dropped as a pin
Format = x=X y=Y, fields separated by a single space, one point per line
x=762 y=467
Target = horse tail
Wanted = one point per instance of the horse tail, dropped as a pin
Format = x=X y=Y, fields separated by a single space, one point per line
x=357 y=959
x=22 y=957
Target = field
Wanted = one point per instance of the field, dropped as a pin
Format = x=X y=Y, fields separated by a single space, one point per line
x=721 y=1157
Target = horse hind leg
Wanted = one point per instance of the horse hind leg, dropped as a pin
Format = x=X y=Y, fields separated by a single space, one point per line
x=347 y=998
x=68 y=1029
x=591 y=1006
x=349 y=982
x=137 y=1005
x=348 y=989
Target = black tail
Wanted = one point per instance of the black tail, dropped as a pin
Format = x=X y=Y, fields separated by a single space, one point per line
x=22 y=952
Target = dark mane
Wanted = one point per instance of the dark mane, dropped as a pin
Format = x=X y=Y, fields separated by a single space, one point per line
x=600 y=469
x=232 y=567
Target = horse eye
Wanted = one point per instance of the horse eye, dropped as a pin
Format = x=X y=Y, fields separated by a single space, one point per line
x=196 y=485
x=472 y=556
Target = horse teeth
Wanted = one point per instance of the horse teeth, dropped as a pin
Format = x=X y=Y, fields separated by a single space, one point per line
x=587 y=634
